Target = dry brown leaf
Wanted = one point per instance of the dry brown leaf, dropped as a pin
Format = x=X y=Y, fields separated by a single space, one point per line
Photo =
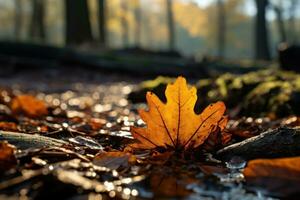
x=7 y=156
x=29 y=106
x=114 y=159
x=174 y=123
x=286 y=168
x=218 y=138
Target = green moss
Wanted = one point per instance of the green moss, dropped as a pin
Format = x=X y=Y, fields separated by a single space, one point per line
x=259 y=93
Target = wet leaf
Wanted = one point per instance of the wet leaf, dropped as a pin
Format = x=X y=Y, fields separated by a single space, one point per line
x=287 y=168
x=114 y=160
x=279 y=177
x=174 y=123
x=7 y=156
x=28 y=106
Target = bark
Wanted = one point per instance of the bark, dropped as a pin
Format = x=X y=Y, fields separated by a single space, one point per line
x=171 y=27
x=102 y=21
x=78 y=27
x=281 y=142
x=262 y=51
x=37 y=26
x=221 y=28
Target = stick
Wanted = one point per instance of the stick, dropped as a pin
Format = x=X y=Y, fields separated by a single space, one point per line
x=24 y=141
x=280 y=142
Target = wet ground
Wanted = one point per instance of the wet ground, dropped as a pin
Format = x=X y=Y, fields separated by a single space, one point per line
x=90 y=111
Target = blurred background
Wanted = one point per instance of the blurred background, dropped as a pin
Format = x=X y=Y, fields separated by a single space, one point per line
x=193 y=38
x=233 y=29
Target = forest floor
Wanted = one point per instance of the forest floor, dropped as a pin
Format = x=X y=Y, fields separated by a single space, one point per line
x=77 y=146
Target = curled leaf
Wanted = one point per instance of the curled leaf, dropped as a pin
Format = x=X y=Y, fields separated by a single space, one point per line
x=174 y=123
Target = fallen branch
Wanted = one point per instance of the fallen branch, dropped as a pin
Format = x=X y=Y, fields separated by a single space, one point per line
x=280 y=142
x=24 y=141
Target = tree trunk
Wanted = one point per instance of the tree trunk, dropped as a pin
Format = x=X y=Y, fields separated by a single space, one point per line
x=102 y=22
x=171 y=28
x=37 y=26
x=78 y=27
x=221 y=28
x=280 y=23
x=18 y=20
x=124 y=24
x=262 y=51
x=292 y=22
x=137 y=16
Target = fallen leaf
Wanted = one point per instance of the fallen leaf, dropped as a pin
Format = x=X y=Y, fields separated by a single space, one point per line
x=279 y=177
x=29 y=106
x=8 y=126
x=7 y=156
x=96 y=123
x=114 y=160
x=287 y=168
x=174 y=123
x=218 y=138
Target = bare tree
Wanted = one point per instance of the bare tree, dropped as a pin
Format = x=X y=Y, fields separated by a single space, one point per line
x=221 y=32
x=171 y=27
x=37 y=26
x=102 y=21
x=78 y=27
x=262 y=50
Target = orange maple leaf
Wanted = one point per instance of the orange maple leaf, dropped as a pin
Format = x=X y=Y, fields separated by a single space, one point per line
x=174 y=123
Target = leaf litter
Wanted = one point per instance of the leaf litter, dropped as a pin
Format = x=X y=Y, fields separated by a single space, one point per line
x=98 y=157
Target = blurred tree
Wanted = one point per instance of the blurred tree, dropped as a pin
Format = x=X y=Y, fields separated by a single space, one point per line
x=292 y=21
x=78 y=27
x=138 y=24
x=171 y=25
x=37 y=26
x=221 y=28
x=262 y=50
x=102 y=21
x=278 y=8
x=18 y=19
x=124 y=23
